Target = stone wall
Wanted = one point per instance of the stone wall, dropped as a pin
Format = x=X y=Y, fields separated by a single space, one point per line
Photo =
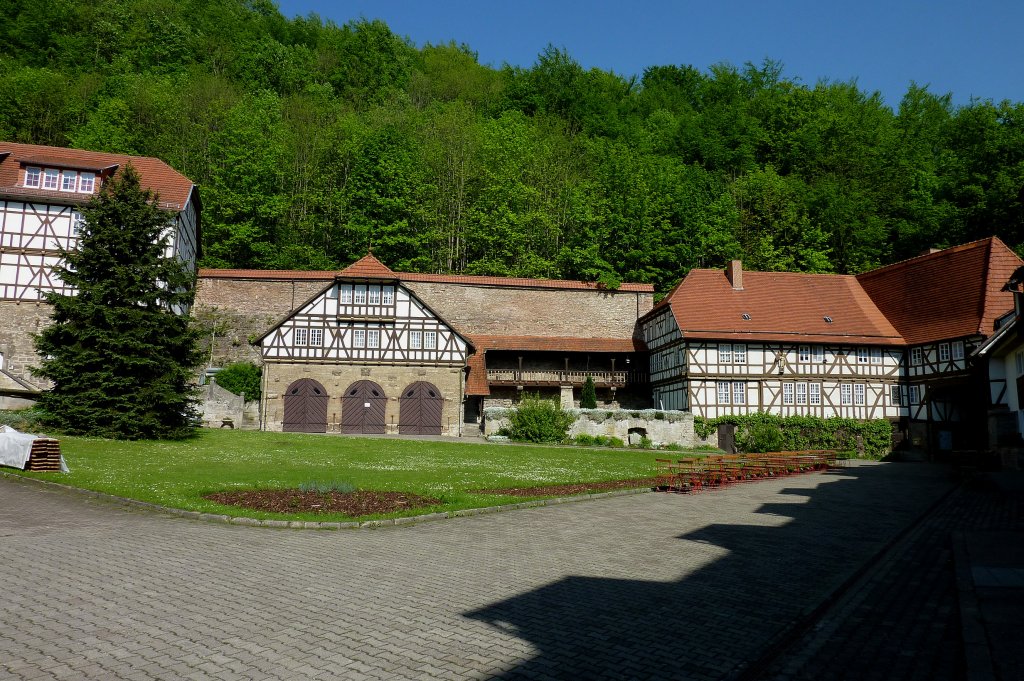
x=661 y=427
x=18 y=321
x=335 y=378
x=221 y=407
x=498 y=311
x=234 y=312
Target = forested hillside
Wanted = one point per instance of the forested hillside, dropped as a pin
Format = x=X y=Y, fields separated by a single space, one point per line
x=312 y=141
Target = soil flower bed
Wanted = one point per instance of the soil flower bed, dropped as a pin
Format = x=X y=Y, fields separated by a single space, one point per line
x=569 y=490
x=358 y=503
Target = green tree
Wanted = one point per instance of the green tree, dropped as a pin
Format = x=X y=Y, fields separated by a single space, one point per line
x=119 y=353
x=241 y=378
x=588 y=397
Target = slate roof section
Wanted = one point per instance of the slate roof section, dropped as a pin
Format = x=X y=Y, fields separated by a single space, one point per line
x=953 y=293
x=174 y=189
x=783 y=307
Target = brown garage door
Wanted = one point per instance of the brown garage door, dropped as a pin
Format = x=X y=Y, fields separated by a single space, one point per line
x=420 y=410
x=362 y=409
x=305 y=407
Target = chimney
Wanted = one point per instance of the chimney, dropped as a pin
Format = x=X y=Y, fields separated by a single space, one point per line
x=929 y=251
x=734 y=273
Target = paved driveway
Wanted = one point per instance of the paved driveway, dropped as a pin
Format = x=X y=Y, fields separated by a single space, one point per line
x=641 y=586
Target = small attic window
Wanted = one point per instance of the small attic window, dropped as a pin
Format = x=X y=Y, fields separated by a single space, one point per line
x=746 y=316
x=828 y=320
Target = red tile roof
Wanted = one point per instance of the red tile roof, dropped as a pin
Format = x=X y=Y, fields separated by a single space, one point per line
x=368 y=267
x=173 y=187
x=476 y=380
x=952 y=293
x=783 y=307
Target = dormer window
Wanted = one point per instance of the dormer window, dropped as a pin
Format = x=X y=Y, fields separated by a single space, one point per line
x=80 y=182
x=68 y=181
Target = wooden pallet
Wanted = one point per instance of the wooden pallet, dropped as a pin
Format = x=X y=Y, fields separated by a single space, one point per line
x=45 y=455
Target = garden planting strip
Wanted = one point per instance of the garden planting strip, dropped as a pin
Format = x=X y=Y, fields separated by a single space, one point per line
x=321 y=525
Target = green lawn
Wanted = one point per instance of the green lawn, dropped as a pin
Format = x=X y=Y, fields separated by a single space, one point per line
x=177 y=474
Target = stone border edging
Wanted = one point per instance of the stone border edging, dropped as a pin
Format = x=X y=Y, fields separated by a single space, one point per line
x=323 y=525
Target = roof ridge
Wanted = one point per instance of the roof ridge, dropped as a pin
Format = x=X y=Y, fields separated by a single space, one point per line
x=959 y=248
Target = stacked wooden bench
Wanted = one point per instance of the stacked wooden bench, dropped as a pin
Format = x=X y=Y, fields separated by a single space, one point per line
x=45 y=455
x=697 y=474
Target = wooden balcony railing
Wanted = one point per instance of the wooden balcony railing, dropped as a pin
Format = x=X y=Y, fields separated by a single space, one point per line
x=557 y=377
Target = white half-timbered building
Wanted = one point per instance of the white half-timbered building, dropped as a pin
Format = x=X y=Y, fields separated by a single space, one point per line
x=737 y=342
x=42 y=190
x=945 y=304
x=364 y=355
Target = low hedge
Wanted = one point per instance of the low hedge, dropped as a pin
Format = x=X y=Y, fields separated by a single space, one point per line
x=767 y=432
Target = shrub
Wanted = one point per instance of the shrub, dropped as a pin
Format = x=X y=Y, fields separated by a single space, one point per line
x=761 y=437
x=585 y=440
x=241 y=377
x=588 y=397
x=539 y=420
x=868 y=438
x=616 y=442
x=25 y=420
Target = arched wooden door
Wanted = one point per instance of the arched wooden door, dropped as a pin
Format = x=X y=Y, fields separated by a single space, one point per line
x=420 y=409
x=362 y=409
x=305 y=407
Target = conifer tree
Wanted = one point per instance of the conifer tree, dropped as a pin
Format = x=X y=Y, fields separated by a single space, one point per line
x=588 y=397
x=120 y=353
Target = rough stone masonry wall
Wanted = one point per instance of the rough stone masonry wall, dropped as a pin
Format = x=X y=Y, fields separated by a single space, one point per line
x=497 y=311
x=18 y=321
x=240 y=310
x=335 y=378
x=661 y=427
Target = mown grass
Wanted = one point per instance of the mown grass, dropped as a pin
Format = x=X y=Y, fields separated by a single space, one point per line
x=178 y=474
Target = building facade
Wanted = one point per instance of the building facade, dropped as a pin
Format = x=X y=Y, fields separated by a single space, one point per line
x=42 y=190
x=738 y=342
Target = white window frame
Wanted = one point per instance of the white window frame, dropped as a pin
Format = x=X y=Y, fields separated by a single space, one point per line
x=846 y=394
x=958 y=350
x=316 y=338
x=725 y=353
x=76 y=223
x=415 y=340
x=724 y=392
x=876 y=355
x=801 y=393
x=862 y=356
x=803 y=354
x=360 y=295
x=33 y=177
x=301 y=336
x=87 y=183
x=51 y=178
x=739 y=353
x=388 y=296
x=916 y=357
x=359 y=338
x=817 y=354
x=943 y=352
x=373 y=296
x=787 y=394
x=430 y=340
x=859 y=394
x=814 y=393
x=914 y=394
x=346 y=295
x=739 y=392
x=68 y=181
x=373 y=338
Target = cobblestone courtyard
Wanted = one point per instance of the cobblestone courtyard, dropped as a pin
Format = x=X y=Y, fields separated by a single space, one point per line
x=640 y=586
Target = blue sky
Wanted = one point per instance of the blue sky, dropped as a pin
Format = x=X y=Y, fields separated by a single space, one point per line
x=968 y=47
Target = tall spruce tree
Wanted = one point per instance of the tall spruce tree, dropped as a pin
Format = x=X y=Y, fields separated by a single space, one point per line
x=119 y=356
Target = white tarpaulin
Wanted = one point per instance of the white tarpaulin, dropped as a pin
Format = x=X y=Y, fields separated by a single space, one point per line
x=16 y=449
